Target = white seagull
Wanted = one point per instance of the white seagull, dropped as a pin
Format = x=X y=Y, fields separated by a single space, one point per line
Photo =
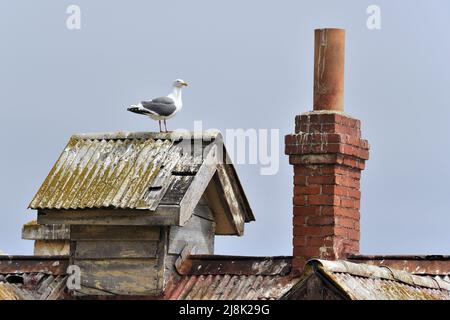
x=164 y=107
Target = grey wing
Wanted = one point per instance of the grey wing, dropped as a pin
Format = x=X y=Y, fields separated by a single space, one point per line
x=163 y=106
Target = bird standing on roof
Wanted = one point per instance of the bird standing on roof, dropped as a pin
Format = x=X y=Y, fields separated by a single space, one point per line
x=162 y=108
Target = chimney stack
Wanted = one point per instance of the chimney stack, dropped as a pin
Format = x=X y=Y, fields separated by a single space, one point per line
x=328 y=155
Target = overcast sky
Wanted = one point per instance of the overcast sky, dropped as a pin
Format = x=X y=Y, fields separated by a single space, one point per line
x=249 y=65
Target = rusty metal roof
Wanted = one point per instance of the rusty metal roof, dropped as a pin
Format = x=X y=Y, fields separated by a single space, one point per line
x=33 y=277
x=232 y=278
x=369 y=282
x=231 y=287
x=416 y=264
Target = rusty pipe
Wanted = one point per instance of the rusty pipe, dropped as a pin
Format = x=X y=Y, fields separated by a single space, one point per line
x=329 y=52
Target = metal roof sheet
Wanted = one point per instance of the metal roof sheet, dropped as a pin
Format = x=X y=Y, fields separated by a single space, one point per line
x=218 y=277
x=32 y=286
x=231 y=287
x=368 y=282
x=116 y=170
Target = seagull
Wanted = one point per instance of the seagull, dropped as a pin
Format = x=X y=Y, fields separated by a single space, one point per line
x=164 y=107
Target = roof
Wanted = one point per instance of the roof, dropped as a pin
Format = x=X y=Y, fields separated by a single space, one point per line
x=144 y=171
x=231 y=278
x=33 y=278
x=369 y=282
x=416 y=264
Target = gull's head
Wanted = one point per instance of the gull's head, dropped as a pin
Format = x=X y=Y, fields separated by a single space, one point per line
x=180 y=83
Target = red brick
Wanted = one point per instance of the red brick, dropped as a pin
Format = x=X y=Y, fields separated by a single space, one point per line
x=300 y=180
x=348 y=203
x=315 y=189
x=313 y=231
x=321 y=180
x=345 y=222
x=354 y=193
x=299 y=220
x=313 y=252
x=299 y=241
x=335 y=189
x=326 y=200
x=353 y=234
x=307 y=211
x=319 y=241
x=346 y=181
x=320 y=221
x=299 y=200
x=339 y=231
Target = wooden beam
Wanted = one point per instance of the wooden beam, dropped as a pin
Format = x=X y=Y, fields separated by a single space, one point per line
x=115 y=249
x=164 y=215
x=97 y=232
x=198 y=186
x=45 y=232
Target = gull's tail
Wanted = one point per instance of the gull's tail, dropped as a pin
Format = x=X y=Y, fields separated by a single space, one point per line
x=138 y=110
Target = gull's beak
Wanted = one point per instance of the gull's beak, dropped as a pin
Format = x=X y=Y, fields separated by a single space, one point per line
x=184 y=84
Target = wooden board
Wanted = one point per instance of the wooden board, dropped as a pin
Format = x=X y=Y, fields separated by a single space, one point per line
x=198 y=232
x=45 y=232
x=120 y=276
x=219 y=208
x=97 y=232
x=198 y=186
x=115 y=249
x=164 y=215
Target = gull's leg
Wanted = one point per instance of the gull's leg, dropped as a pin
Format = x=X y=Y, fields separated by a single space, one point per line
x=159 y=122
x=165 y=125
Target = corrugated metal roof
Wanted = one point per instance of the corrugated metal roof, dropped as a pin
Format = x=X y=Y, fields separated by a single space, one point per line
x=231 y=278
x=122 y=170
x=416 y=264
x=32 y=286
x=99 y=173
x=231 y=287
x=9 y=292
x=368 y=282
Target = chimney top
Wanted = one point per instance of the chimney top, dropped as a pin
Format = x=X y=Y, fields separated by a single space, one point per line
x=329 y=52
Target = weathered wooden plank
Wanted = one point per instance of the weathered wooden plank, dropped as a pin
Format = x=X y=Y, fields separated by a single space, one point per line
x=51 y=247
x=198 y=186
x=203 y=211
x=45 y=232
x=164 y=215
x=120 y=276
x=196 y=232
x=98 y=232
x=115 y=249
x=219 y=208
x=231 y=195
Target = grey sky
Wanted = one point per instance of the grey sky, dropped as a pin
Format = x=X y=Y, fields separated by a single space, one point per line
x=249 y=65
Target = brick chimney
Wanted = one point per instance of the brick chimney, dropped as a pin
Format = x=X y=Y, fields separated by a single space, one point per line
x=328 y=154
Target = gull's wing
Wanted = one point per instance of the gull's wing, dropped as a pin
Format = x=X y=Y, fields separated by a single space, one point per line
x=163 y=106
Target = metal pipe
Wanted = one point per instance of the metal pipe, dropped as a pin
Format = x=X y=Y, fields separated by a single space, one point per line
x=329 y=52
